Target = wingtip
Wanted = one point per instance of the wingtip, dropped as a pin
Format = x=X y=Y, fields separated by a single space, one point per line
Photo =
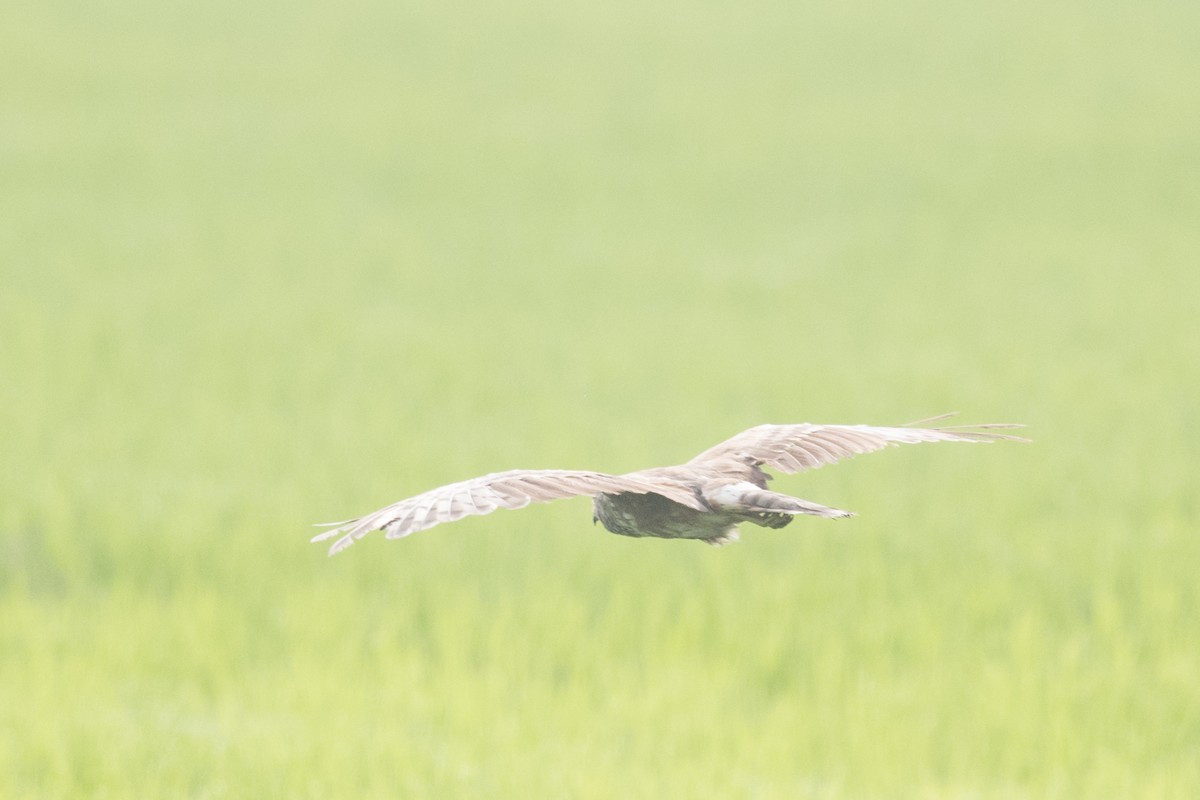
x=928 y=420
x=340 y=545
x=345 y=537
x=323 y=535
x=985 y=426
x=335 y=529
x=983 y=432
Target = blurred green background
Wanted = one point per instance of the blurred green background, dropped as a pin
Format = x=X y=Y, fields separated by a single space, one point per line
x=273 y=264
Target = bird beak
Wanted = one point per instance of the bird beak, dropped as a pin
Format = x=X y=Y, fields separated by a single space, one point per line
x=595 y=519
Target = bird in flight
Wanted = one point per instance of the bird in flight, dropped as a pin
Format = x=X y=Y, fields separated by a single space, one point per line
x=707 y=498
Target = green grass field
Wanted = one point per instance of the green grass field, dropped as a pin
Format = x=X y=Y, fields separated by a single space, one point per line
x=273 y=265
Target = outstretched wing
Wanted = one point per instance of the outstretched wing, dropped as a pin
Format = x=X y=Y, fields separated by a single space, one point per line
x=793 y=448
x=513 y=489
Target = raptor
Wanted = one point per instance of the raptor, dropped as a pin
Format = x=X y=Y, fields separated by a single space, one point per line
x=706 y=499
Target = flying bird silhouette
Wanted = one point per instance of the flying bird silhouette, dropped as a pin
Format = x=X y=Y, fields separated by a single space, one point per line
x=706 y=498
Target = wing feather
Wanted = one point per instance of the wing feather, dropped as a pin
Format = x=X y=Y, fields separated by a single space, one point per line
x=485 y=494
x=793 y=448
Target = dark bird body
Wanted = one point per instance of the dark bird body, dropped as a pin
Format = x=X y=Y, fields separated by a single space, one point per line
x=729 y=498
x=707 y=498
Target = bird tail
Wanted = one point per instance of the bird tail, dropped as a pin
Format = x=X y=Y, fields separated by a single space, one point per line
x=772 y=502
x=749 y=499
